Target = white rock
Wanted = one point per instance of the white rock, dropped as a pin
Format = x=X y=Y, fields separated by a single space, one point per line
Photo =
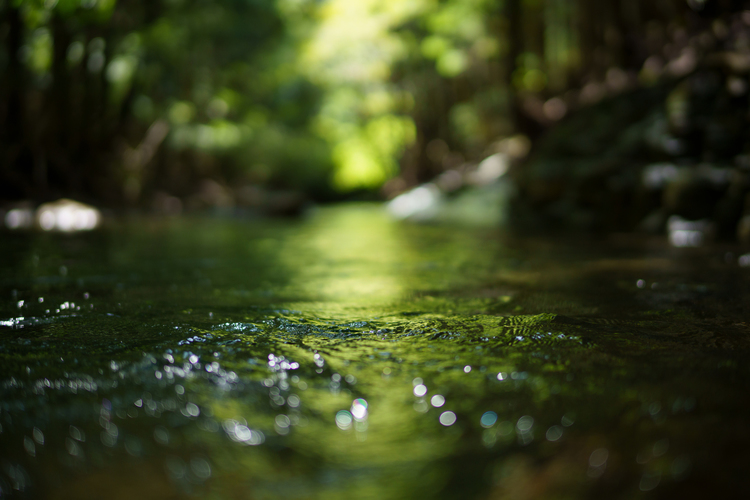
x=67 y=216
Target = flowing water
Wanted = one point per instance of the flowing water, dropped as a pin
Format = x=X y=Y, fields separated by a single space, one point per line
x=346 y=355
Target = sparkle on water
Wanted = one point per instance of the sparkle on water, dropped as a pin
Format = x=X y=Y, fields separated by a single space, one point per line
x=348 y=355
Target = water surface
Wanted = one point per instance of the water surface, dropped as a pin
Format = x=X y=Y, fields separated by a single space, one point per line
x=346 y=355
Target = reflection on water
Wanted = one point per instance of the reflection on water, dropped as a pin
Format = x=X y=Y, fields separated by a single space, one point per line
x=350 y=356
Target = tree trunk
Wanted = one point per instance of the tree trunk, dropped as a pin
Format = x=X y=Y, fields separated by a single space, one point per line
x=514 y=38
x=13 y=121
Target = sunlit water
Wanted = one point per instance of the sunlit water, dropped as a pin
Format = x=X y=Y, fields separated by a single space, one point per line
x=349 y=356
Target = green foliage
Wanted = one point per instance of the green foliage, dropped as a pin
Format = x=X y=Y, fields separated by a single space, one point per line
x=350 y=55
x=352 y=86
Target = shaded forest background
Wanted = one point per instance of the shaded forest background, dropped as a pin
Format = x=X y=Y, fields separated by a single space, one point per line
x=172 y=104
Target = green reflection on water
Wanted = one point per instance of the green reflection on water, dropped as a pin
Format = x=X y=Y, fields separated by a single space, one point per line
x=349 y=355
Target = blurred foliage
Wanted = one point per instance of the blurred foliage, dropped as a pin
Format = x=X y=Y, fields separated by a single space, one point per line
x=208 y=102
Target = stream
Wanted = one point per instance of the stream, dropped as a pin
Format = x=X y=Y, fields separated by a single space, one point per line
x=348 y=355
